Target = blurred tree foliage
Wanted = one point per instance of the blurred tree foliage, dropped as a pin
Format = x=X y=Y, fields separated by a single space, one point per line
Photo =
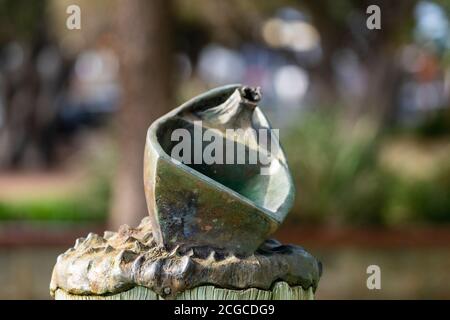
x=19 y=19
x=341 y=24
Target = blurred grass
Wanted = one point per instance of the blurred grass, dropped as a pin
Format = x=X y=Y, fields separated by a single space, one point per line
x=86 y=200
x=88 y=205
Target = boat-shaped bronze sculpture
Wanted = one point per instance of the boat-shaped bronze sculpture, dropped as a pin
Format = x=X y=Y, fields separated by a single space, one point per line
x=223 y=205
x=216 y=190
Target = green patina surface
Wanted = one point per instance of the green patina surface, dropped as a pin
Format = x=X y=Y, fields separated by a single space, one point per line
x=224 y=206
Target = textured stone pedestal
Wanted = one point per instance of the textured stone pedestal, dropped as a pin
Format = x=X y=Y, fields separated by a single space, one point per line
x=129 y=265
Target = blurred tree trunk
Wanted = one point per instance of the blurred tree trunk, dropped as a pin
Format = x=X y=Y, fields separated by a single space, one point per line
x=145 y=53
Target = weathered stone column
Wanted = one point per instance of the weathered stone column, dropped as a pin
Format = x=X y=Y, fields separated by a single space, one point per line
x=206 y=234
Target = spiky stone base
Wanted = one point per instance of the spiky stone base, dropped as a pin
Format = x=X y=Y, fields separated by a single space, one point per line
x=280 y=291
x=130 y=258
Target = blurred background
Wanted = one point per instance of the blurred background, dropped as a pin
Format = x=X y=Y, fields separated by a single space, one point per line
x=364 y=117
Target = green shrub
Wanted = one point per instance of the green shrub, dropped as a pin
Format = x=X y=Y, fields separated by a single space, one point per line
x=340 y=180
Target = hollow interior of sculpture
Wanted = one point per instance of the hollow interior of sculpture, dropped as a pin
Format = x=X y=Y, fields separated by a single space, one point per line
x=266 y=185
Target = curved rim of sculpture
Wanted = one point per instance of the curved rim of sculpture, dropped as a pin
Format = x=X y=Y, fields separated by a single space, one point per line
x=152 y=140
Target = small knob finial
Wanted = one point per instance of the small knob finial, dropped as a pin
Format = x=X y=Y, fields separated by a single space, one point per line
x=252 y=94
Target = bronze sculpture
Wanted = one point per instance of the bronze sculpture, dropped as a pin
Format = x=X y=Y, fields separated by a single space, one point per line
x=206 y=236
x=230 y=206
